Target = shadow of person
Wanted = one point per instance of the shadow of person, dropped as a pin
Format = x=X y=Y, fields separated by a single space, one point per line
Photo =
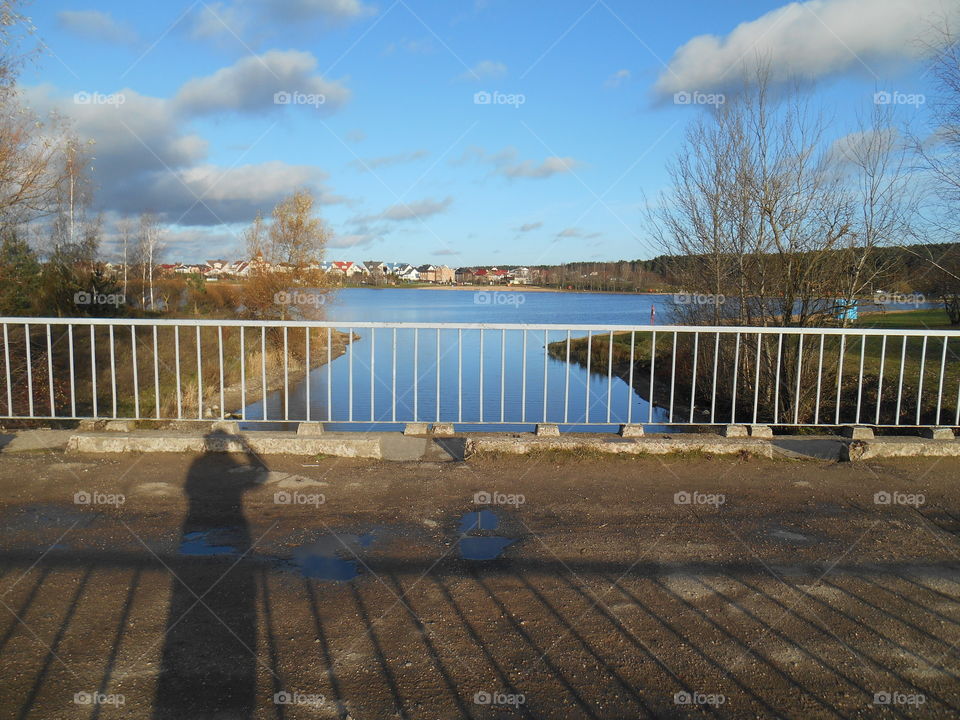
x=208 y=667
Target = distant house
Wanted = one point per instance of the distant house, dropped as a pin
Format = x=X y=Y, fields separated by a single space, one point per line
x=347 y=268
x=407 y=272
x=482 y=276
x=464 y=276
x=444 y=275
x=427 y=273
x=375 y=267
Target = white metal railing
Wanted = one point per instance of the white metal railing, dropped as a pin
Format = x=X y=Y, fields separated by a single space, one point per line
x=475 y=373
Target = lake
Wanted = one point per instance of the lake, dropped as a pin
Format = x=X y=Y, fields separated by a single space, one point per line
x=356 y=394
x=467 y=306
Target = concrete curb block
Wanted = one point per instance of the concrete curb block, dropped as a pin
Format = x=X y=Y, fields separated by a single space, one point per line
x=520 y=445
x=260 y=442
x=894 y=447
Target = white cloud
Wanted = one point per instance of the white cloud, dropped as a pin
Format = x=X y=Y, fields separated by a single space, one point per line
x=806 y=39
x=485 y=69
x=506 y=163
x=417 y=210
x=352 y=241
x=218 y=18
x=528 y=227
x=250 y=84
x=617 y=79
x=298 y=10
x=96 y=25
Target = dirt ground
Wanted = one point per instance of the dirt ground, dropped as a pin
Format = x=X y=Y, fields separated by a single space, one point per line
x=159 y=586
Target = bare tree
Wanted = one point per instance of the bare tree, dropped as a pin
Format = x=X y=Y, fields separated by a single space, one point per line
x=149 y=242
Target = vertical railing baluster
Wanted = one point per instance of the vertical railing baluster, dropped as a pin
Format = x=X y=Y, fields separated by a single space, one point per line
x=863 y=352
x=481 y=375
x=286 y=375
x=503 y=372
x=796 y=394
x=438 y=375
x=693 y=375
x=26 y=340
x=113 y=372
x=416 y=372
x=393 y=391
x=176 y=351
x=523 y=379
x=53 y=406
x=306 y=371
x=566 y=392
x=816 y=406
x=589 y=360
x=756 y=378
x=736 y=374
x=546 y=339
x=330 y=374
x=653 y=360
x=713 y=394
x=883 y=359
x=923 y=362
x=156 y=375
x=943 y=367
x=609 y=374
x=263 y=372
x=93 y=370
x=903 y=361
x=373 y=374
x=223 y=412
x=459 y=374
x=776 y=384
x=673 y=375
x=136 y=372
x=633 y=340
x=9 y=374
x=243 y=374
x=843 y=343
x=73 y=370
x=350 y=377
x=199 y=376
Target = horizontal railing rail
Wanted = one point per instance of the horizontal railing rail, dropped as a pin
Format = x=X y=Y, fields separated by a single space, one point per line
x=372 y=373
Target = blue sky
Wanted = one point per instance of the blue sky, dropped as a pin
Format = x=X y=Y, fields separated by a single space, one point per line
x=407 y=165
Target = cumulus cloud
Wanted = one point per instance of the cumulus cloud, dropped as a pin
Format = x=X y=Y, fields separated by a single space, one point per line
x=407 y=211
x=485 y=69
x=251 y=84
x=147 y=159
x=236 y=17
x=298 y=10
x=506 y=163
x=528 y=227
x=387 y=160
x=96 y=25
x=806 y=39
x=618 y=78
x=215 y=19
x=353 y=241
x=574 y=232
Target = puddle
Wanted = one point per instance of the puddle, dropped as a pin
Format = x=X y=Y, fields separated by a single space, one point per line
x=321 y=560
x=484 y=547
x=207 y=542
x=788 y=536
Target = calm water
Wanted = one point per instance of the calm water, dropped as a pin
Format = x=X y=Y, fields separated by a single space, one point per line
x=460 y=356
x=521 y=372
